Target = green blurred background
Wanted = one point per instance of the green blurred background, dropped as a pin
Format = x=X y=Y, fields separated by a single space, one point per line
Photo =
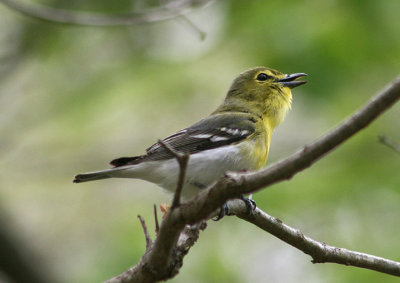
x=72 y=98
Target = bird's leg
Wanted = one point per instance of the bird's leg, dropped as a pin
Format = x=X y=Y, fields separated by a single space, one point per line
x=225 y=208
x=249 y=202
x=224 y=211
x=250 y=205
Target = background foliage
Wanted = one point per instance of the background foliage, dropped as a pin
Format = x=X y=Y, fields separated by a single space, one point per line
x=72 y=98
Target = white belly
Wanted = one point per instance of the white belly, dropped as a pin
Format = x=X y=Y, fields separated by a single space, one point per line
x=204 y=168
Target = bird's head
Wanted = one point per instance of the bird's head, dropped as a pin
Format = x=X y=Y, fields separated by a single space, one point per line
x=265 y=91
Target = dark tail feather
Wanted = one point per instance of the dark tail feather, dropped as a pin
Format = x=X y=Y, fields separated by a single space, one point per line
x=90 y=177
x=124 y=161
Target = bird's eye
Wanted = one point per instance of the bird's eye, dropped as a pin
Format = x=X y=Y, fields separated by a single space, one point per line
x=262 y=77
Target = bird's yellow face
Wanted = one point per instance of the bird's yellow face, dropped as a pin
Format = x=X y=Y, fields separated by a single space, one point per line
x=265 y=91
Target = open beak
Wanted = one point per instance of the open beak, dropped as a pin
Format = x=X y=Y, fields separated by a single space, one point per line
x=289 y=80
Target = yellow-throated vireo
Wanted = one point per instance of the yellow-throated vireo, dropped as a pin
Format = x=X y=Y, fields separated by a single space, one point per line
x=235 y=137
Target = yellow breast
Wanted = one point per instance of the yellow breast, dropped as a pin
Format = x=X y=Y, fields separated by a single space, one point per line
x=256 y=149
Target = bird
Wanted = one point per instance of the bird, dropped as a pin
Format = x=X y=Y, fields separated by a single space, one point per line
x=234 y=138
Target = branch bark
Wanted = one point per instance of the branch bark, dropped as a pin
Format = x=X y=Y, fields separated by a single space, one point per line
x=96 y=19
x=148 y=270
x=320 y=252
x=155 y=265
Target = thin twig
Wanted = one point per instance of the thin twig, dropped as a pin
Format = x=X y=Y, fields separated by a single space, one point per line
x=146 y=233
x=182 y=159
x=390 y=143
x=156 y=219
x=96 y=19
x=202 y=34
x=320 y=252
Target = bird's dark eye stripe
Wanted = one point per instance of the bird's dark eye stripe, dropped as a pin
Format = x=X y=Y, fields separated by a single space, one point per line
x=263 y=77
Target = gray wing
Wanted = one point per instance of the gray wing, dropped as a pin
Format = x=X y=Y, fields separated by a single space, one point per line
x=212 y=132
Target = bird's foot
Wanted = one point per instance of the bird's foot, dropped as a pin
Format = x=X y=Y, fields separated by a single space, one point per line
x=250 y=205
x=224 y=211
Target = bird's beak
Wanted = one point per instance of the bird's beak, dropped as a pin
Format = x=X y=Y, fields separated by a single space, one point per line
x=289 y=80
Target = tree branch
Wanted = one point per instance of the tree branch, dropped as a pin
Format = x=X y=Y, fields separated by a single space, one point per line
x=176 y=9
x=320 y=252
x=155 y=264
x=147 y=269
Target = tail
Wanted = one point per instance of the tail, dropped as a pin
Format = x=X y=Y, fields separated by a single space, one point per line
x=92 y=176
